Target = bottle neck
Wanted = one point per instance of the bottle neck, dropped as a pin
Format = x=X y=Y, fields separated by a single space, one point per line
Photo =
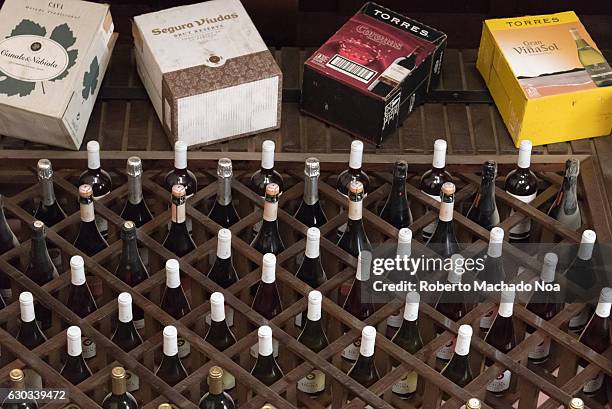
x=129 y=252
x=270 y=211
x=119 y=386
x=585 y=251
x=215 y=386
x=178 y=212
x=446 y=211
x=87 y=211
x=39 y=251
x=581 y=43
x=398 y=187
x=311 y=190
x=224 y=191
x=134 y=189
x=47 y=192
x=355 y=210
x=568 y=193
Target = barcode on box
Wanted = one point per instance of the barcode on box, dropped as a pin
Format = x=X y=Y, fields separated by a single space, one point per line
x=350 y=68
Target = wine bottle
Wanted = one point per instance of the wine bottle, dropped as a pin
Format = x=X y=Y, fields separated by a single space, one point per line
x=592 y=60
x=219 y=334
x=472 y=403
x=216 y=398
x=178 y=240
x=98 y=179
x=403 y=253
x=222 y=271
x=596 y=335
x=266 y=369
x=49 y=210
x=359 y=301
x=354 y=171
x=501 y=336
x=174 y=302
x=452 y=305
x=126 y=336
x=80 y=300
x=266 y=173
x=30 y=335
x=483 y=210
x=493 y=270
x=313 y=336
x=180 y=175
x=395 y=74
x=311 y=270
x=8 y=241
x=582 y=272
x=576 y=403
x=364 y=370
x=523 y=185
x=223 y=211
x=75 y=369
x=89 y=240
x=267 y=301
x=171 y=369
x=310 y=212
x=18 y=383
x=458 y=369
x=443 y=240
x=565 y=208
x=41 y=269
x=432 y=181
x=119 y=397
x=131 y=269
x=135 y=208
x=545 y=305
x=268 y=238
x=396 y=211
x=408 y=337
x=354 y=239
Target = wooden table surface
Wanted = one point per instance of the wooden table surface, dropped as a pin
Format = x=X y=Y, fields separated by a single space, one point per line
x=124 y=119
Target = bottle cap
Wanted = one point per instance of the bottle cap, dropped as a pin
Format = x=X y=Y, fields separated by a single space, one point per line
x=26 y=306
x=128 y=228
x=224 y=244
x=400 y=169
x=548 y=268
x=77 y=270
x=576 y=35
x=215 y=380
x=164 y=406
x=411 y=309
x=93 y=155
x=38 y=227
x=73 y=336
x=496 y=240
x=85 y=191
x=588 y=236
x=16 y=375
x=455 y=273
x=524 y=158
x=134 y=166
x=124 y=301
x=180 y=155
x=264 y=334
x=45 y=171
x=576 y=403
x=173 y=277
x=448 y=188
x=118 y=373
x=489 y=169
x=170 y=340
x=572 y=167
x=356 y=155
x=364 y=264
x=313 y=239
x=404 y=242
x=368 y=340
x=217 y=307
x=439 y=155
x=314 y=305
x=224 y=168
x=473 y=403
x=355 y=187
x=312 y=168
x=464 y=336
x=272 y=189
x=605 y=303
x=267 y=154
x=605 y=295
x=178 y=191
x=268 y=268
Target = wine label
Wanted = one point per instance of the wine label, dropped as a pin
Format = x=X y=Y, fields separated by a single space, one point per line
x=431 y=227
x=395 y=321
x=314 y=382
x=594 y=384
x=7 y=294
x=229 y=316
x=89 y=348
x=33 y=379
x=406 y=384
x=132 y=381
x=501 y=382
x=229 y=382
x=487 y=320
x=96 y=286
x=445 y=353
x=184 y=347
x=351 y=352
x=521 y=230
x=139 y=324
x=255 y=349
x=541 y=351
x=577 y=323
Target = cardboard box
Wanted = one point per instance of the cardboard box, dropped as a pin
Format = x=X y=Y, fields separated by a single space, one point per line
x=53 y=56
x=372 y=72
x=208 y=72
x=547 y=77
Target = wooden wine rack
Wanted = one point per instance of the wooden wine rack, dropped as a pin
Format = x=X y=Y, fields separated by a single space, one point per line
x=557 y=379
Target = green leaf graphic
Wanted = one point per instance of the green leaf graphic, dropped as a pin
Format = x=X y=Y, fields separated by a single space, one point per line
x=28 y=27
x=11 y=86
x=63 y=35
x=90 y=79
x=72 y=56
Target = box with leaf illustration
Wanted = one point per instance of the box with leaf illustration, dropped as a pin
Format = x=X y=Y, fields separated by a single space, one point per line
x=53 y=56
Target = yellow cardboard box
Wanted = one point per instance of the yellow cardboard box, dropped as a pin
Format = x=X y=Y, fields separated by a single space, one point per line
x=547 y=78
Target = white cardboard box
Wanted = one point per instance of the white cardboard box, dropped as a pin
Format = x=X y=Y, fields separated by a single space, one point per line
x=53 y=56
x=208 y=72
